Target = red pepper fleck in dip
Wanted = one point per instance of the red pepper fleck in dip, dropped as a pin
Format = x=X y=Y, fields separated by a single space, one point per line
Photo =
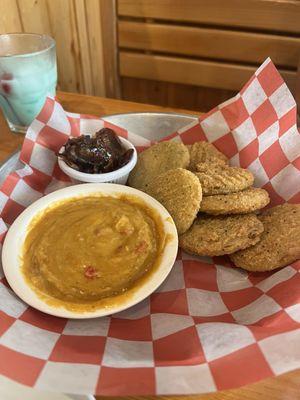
x=90 y=272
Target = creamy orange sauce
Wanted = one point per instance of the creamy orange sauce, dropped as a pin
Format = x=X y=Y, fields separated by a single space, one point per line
x=89 y=252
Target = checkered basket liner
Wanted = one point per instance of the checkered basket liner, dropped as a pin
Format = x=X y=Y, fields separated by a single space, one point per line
x=209 y=326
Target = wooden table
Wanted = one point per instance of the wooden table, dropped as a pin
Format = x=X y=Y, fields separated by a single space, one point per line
x=9 y=141
x=285 y=387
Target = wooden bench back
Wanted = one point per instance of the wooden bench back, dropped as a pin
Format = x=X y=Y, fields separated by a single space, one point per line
x=215 y=44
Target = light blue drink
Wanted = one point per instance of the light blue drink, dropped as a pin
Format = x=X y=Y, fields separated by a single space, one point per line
x=27 y=75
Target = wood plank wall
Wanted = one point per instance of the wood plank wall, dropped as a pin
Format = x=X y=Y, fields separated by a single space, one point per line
x=76 y=26
x=179 y=53
x=198 y=53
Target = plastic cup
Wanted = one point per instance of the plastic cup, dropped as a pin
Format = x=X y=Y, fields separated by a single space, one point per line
x=28 y=74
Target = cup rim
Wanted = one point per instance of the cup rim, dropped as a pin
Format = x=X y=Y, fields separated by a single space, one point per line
x=51 y=45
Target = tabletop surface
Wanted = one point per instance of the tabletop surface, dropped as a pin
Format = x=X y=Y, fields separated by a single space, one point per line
x=284 y=387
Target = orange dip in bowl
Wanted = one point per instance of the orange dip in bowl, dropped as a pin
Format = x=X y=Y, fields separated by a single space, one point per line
x=84 y=251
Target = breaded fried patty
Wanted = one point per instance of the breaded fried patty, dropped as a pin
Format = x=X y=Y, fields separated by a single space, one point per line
x=179 y=190
x=222 y=179
x=247 y=201
x=279 y=244
x=156 y=160
x=204 y=152
x=215 y=236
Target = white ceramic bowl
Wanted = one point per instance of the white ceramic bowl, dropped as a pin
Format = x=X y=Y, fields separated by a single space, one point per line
x=119 y=176
x=16 y=235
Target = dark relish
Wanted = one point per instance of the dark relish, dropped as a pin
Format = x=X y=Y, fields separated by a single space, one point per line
x=101 y=153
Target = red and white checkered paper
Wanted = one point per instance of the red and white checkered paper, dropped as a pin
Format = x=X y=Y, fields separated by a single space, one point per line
x=209 y=326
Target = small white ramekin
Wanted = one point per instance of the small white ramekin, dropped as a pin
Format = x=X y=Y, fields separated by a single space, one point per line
x=119 y=176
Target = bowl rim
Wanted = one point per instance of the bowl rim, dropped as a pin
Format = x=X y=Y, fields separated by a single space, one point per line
x=105 y=177
x=16 y=235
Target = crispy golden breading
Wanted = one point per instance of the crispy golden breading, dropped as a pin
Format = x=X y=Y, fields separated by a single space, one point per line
x=204 y=152
x=179 y=190
x=215 y=236
x=247 y=201
x=158 y=159
x=279 y=244
x=222 y=179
